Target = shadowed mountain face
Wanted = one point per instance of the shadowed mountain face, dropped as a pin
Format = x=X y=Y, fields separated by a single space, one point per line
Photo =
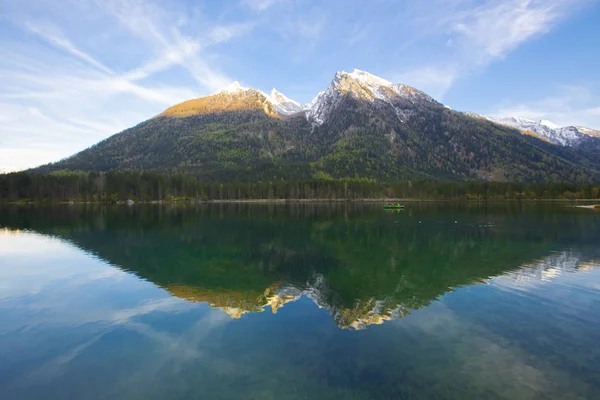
x=360 y=127
x=362 y=265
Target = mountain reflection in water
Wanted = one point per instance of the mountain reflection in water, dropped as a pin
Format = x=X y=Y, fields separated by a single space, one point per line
x=364 y=267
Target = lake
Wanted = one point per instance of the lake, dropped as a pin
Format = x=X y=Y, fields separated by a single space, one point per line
x=338 y=301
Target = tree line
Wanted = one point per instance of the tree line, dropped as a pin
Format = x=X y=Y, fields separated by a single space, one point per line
x=146 y=186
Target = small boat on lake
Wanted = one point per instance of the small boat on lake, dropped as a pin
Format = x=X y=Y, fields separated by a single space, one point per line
x=397 y=206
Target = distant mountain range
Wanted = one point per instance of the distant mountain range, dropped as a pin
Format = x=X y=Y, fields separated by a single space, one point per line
x=361 y=126
x=570 y=136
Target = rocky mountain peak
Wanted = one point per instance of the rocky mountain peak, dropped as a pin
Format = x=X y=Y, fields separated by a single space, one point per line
x=233 y=87
x=284 y=105
x=366 y=86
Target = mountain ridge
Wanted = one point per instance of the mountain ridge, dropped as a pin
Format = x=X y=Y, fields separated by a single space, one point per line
x=367 y=86
x=570 y=136
x=361 y=126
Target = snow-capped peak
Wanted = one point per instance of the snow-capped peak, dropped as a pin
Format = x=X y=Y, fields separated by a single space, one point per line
x=516 y=121
x=564 y=136
x=233 y=87
x=315 y=99
x=549 y=124
x=361 y=84
x=365 y=86
x=276 y=97
x=367 y=78
x=284 y=105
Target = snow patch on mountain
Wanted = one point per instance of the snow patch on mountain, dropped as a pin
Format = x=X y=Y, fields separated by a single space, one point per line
x=590 y=132
x=369 y=87
x=362 y=85
x=373 y=83
x=569 y=136
x=549 y=124
x=322 y=104
x=284 y=105
x=232 y=88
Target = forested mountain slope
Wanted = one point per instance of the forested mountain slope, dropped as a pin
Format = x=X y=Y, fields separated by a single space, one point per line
x=361 y=126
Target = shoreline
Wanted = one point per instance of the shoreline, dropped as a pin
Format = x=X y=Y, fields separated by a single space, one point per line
x=302 y=201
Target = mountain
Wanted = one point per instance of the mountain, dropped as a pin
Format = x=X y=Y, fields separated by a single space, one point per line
x=235 y=97
x=232 y=98
x=361 y=126
x=283 y=105
x=365 y=86
x=570 y=136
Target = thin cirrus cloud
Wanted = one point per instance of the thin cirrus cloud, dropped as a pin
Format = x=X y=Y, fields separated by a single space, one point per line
x=65 y=44
x=477 y=34
x=260 y=5
x=57 y=97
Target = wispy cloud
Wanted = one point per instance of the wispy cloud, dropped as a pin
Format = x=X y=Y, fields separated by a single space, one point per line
x=260 y=5
x=58 y=96
x=496 y=28
x=65 y=44
x=309 y=29
x=172 y=55
x=479 y=33
x=305 y=32
x=162 y=31
x=224 y=33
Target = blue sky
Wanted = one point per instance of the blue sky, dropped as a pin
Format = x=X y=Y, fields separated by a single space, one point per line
x=74 y=72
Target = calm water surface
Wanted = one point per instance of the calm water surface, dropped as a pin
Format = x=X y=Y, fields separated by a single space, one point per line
x=440 y=301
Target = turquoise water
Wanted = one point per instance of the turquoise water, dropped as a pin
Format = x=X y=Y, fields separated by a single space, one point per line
x=439 y=301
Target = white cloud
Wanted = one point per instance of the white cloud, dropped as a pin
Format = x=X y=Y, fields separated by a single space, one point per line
x=172 y=55
x=161 y=30
x=496 y=28
x=478 y=33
